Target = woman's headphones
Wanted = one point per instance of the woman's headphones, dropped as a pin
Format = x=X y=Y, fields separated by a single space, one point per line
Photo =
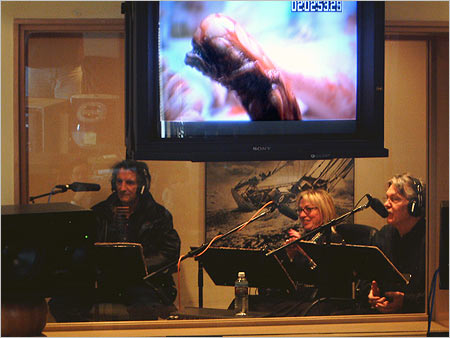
x=416 y=204
x=142 y=174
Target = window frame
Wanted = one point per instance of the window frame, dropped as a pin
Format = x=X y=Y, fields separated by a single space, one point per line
x=337 y=325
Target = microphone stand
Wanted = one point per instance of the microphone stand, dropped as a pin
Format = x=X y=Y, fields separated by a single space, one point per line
x=202 y=247
x=325 y=228
x=52 y=192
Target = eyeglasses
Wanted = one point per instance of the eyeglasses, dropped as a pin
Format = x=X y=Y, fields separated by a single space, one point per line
x=307 y=210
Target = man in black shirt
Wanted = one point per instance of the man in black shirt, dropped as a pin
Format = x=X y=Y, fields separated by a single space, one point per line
x=403 y=241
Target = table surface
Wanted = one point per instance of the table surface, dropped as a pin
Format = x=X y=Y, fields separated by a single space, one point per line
x=208 y=313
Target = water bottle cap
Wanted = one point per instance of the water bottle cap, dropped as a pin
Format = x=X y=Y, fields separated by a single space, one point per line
x=241 y=274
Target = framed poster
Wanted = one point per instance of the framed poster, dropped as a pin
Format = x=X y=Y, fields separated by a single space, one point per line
x=236 y=190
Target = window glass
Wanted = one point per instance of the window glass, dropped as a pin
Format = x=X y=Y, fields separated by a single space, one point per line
x=75 y=120
x=75 y=111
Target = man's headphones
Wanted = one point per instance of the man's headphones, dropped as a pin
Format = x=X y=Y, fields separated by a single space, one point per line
x=416 y=205
x=142 y=174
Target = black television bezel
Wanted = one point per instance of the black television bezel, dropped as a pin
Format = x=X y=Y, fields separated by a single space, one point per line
x=142 y=103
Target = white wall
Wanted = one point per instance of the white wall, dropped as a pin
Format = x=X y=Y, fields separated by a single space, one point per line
x=405 y=124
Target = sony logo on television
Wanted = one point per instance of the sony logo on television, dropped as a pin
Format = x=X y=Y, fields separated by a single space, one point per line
x=262 y=148
x=316 y=156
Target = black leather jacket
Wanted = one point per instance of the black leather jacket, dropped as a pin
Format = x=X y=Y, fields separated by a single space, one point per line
x=150 y=225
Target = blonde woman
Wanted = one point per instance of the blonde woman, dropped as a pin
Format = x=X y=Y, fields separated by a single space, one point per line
x=315 y=207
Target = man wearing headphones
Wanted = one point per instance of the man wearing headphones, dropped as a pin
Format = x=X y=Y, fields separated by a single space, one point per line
x=130 y=214
x=403 y=242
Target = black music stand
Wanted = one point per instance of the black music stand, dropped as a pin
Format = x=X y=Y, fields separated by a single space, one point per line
x=361 y=262
x=345 y=265
x=365 y=262
x=119 y=263
x=223 y=264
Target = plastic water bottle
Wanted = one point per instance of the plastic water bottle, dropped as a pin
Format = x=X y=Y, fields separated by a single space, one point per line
x=241 y=295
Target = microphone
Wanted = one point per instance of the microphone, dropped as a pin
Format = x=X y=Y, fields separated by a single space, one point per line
x=286 y=211
x=377 y=206
x=275 y=197
x=79 y=186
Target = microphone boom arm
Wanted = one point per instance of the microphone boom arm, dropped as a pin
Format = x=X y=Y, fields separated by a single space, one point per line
x=202 y=247
x=75 y=186
x=324 y=227
x=32 y=198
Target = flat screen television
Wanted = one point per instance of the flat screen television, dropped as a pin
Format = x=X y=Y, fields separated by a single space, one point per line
x=254 y=80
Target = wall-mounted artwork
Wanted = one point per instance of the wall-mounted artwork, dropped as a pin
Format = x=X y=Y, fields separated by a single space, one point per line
x=236 y=190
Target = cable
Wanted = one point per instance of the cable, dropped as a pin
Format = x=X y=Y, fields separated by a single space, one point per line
x=242 y=227
x=178 y=276
x=209 y=244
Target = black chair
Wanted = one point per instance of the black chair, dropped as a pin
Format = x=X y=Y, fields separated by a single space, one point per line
x=359 y=234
